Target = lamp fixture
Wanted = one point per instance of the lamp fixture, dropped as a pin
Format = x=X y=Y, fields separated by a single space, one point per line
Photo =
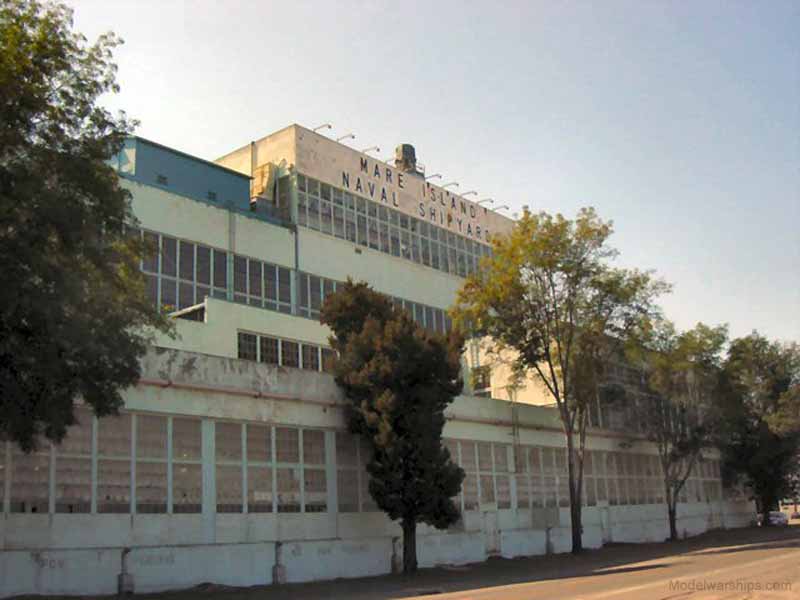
x=350 y=136
x=447 y=185
x=489 y=200
x=434 y=176
x=370 y=149
x=323 y=126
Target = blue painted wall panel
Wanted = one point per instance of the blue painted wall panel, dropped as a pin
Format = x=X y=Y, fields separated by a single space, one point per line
x=185 y=175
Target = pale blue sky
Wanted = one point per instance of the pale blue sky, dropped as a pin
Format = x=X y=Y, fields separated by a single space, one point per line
x=678 y=120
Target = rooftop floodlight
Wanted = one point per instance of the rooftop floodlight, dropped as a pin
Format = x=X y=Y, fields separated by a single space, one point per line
x=470 y=192
x=505 y=206
x=323 y=126
x=434 y=176
x=349 y=136
x=489 y=200
x=447 y=185
x=370 y=149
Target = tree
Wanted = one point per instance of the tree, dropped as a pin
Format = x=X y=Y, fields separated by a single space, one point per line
x=73 y=312
x=549 y=300
x=399 y=380
x=761 y=435
x=678 y=416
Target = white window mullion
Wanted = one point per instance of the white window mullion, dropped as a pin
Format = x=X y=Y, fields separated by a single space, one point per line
x=134 y=429
x=244 y=468
x=169 y=466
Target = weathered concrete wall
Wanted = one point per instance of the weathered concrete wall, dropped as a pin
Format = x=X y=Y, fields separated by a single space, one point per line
x=82 y=553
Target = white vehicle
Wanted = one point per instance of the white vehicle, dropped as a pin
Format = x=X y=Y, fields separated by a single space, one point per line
x=776 y=518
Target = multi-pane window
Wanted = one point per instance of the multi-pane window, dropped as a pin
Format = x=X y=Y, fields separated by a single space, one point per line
x=469 y=487
x=151 y=464
x=314 y=481
x=74 y=466
x=114 y=464
x=259 y=469
x=228 y=446
x=180 y=273
x=287 y=353
x=311 y=293
x=352 y=456
x=487 y=473
x=30 y=480
x=348 y=472
x=187 y=471
x=338 y=213
x=431 y=318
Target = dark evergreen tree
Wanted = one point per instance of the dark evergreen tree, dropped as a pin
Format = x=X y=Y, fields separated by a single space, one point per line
x=73 y=312
x=399 y=380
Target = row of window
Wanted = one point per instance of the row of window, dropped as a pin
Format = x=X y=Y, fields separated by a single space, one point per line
x=338 y=213
x=542 y=477
x=142 y=463
x=286 y=353
x=312 y=291
x=181 y=274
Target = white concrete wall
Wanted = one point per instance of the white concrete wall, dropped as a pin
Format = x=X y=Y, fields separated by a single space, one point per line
x=82 y=553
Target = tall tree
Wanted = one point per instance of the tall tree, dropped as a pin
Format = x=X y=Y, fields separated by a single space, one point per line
x=73 y=312
x=399 y=380
x=550 y=301
x=761 y=436
x=678 y=414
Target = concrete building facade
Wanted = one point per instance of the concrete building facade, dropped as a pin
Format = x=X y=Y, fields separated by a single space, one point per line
x=231 y=462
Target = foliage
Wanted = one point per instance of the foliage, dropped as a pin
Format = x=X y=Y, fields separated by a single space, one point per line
x=761 y=435
x=399 y=380
x=72 y=304
x=678 y=415
x=549 y=298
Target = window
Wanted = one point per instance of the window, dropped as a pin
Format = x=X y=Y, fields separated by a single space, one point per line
x=269 y=350
x=288 y=469
x=187 y=475
x=310 y=357
x=247 y=346
x=347 y=472
x=314 y=470
x=114 y=463
x=74 y=466
x=259 y=469
x=228 y=445
x=290 y=354
x=151 y=464
x=30 y=480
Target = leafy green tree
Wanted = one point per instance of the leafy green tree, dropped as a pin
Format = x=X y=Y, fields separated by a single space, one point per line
x=761 y=435
x=399 y=380
x=678 y=416
x=549 y=299
x=73 y=312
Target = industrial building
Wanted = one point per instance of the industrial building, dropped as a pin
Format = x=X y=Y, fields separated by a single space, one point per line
x=231 y=462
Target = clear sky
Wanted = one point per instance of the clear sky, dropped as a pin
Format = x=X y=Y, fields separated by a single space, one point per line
x=678 y=120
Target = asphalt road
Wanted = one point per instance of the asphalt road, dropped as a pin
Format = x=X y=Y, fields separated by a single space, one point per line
x=724 y=565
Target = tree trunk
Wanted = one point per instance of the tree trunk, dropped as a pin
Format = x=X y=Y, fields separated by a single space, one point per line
x=409 y=546
x=574 y=498
x=672 y=513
